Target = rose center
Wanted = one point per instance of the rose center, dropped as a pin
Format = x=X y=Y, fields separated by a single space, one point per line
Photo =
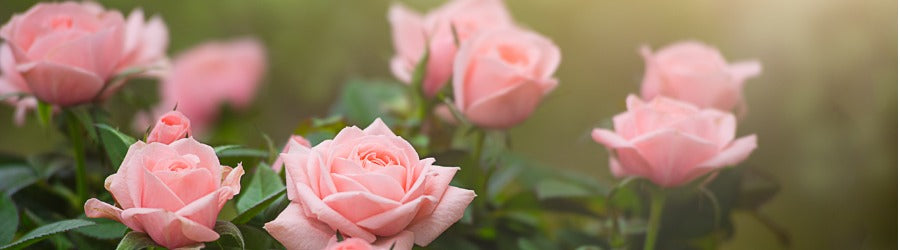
x=378 y=159
x=61 y=22
x=512 y=54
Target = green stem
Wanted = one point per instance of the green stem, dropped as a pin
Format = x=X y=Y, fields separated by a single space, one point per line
x=75 y=137
x=657 y=201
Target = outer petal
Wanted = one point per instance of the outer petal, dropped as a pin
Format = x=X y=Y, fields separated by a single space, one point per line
x=506 y=108
x=395 y=220
x=449 y=210
x=738 y=151
x=296 y=231
x=327 y=215
x=95 y=208
x=60 y=84
x=356 y=206
x=746 y=69
x=205 y=210
x=627 y=161
x=168 y=229
x=672 y=155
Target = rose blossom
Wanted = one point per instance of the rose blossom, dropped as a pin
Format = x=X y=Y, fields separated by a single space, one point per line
x=171 y=192
x=66 y=51
x=169 y=128
x=295 y=139
x=411 y=30
x=205 y=77
x=671 y=142
x=11 y=82
x=368 y=184
x=500 y=77
x=145 y=42
x=403 y=241
x=696 y=73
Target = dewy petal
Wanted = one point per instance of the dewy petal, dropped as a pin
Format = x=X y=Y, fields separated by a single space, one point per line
x=60 y=84
x=95 y=208
x=449 y=210
x=296 y=231
x=738 y=151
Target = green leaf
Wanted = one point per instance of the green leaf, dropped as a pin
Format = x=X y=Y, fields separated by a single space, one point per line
x=264 y=188
x=551 y=188
x=362 y=101
x=104 y=229
x=115 y=143
x=9 y=219
x=45 y=231
x=15 y=176
x=135 y=241
x=44 y=113
x=240 y=151
x=225 y=230
x=255 y=238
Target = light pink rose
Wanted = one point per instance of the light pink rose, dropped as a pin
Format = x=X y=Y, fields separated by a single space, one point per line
x=205 y=77
x=500 y=77
x=297 y=141
x=696 y=73
x=403 y=241
x=66 y=51
x=671 y=142
x=11 y=82
x=170 y=127
x=411 y=30
x=145 y=43
x=171 y=192
x=368 y=184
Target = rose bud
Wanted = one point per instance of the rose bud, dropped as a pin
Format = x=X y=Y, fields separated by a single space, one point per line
x=169 y=128
x=500 y=76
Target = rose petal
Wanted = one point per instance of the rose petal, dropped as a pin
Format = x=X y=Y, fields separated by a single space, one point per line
x=296 y=231
x=349 y=204
x=449 y=210
x=327 y=215
x=738 y=151
x=395 y=220
x=672 y=154
x=61 y=84
x=95 y=208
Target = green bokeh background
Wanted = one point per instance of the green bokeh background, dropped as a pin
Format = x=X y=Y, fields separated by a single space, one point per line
x=824 y=108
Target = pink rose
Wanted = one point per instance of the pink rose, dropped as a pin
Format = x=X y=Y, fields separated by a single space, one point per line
x=403 y=241
x=411 y=30
x=368 y=184
x=170 y=127
x=696 y=73
x=11 y=82
x=501 y=76
x=205 y=77
x=672 y=142
x=296 y=141
x=171 y=192
x=66 y=51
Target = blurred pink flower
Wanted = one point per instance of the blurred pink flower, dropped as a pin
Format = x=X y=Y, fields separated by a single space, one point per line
x=145 y=43
x=169 y=128
x=171 y=192
x=696 y=73
x=501 y=76
x=671 y=142
x=411 y=30
x=66 y=51
x=12 y=83
x=205 y=77
x=368 y=184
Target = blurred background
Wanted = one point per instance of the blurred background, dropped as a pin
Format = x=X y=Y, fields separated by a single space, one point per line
x=825 y=107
